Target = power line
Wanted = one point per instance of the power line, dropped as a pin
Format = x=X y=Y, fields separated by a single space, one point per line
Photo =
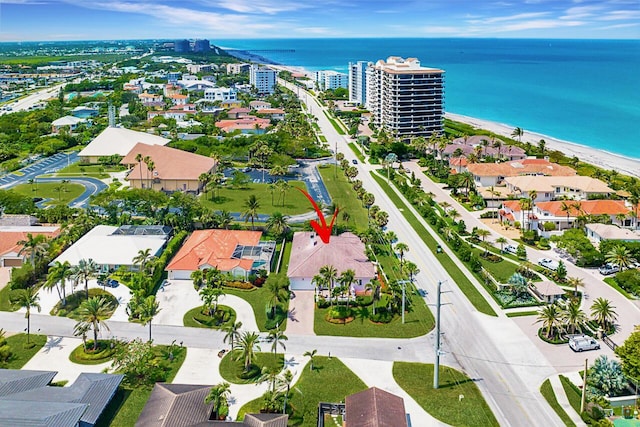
x=515 y=364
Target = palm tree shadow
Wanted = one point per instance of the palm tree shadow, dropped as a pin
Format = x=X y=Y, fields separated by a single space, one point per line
x=52 y=342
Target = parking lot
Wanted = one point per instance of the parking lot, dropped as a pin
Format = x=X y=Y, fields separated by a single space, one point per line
x=39 y=167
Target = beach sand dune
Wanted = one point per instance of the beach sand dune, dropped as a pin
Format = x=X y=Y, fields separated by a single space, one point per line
x=599 y=158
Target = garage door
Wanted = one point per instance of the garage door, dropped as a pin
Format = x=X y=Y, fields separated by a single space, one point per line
x=299 y=284
x=179 y=274
x=12 y=262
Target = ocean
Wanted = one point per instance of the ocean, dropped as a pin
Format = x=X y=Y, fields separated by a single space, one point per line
x=582 y=91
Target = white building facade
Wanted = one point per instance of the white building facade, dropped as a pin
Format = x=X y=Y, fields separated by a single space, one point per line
x=358 y=82
x=406 y=98
x=220 y=94
x=263 y=79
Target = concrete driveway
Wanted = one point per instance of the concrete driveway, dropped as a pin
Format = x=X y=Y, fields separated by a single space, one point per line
x=301 y=310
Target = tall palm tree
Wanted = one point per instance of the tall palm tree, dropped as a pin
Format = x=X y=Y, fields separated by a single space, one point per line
x=310 y=354
x=533 y=195
x=95 y=311
x=518 y=132
x=278 y=224
x=26 y=298
x=551 y=318
x=411 y=269
x=146 y=160
x=57 y=277
x=619 y=255
x=80 y=330
x=346 y=279
x=232 y=333
x=329 y=274
x=252 y=205
x=144 y=255
x=501 y=241
x=85 y=270
x=575 y=282
x=574 y=317
x=204 y=179
x=374 y=287
x=277 y=291
x=147 y=310
x=566 y=208
x=219 y=397
x=247 y=346
x=402 y=248
x=34 y=247
x=603 y=312
x=278 y=337
x=139 y=159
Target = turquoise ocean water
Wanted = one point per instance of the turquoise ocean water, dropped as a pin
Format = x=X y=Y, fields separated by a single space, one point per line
x=582 y=91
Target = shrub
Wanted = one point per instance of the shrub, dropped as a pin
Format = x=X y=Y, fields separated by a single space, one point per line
x=382 y=315
x=629 y=280
x=340 y=312
x=549 y=226
x=252 y=372
x=364 y=300
x=491 y=257
x=237 y=284
x=322 y=303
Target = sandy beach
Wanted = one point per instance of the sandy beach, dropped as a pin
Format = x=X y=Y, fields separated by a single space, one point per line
x=594 y=156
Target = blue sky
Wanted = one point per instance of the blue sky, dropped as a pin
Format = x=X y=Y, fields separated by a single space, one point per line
x=22 y=20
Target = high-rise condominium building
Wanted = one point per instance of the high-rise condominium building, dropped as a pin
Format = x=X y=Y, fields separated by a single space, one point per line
x=263 y=78
x=329 y=79
x=358 y=82
x=406 y=98
x=201 y=46
x=181 y=46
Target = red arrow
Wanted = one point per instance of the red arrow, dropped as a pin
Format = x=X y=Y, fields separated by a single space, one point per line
x=323 y=230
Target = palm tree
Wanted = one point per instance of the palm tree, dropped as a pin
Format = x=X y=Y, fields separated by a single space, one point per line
x=85 y=270
x=482 y=233
x=34 y=246
x=346 y=279
x=411 y=269
x=210 y=296
x=329 y=274
x=575 y=282
x=80 y=330
x=501 y=240
x=603 y=312
x=247 y=346
x=144 y=255
x=148 y=310
x=58 y=275
x=466 y=180
x=278 y=337
x=551 y=318
x=374 y=287
x=541 y=146
x=619 y=255
x=232 y=333
x=26 y=298
x=518 y=132
x=151 y=166
x=197 y=277
x=566 y=207
x=219 y=397
x=574 y=317
x=402 y=248
x=310 y=354
x=621 y=217
x=204 y=179
x=251 y=210
x=95 y=311
x=277 y=291
x=278 y=224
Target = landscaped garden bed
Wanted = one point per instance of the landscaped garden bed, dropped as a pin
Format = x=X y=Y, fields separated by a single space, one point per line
x=199 y=318
x=70 y=309
x=233 y=370
x=15 y=351
x=85 y=354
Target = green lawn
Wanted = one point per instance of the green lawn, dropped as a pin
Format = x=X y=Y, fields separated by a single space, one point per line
x=231 y=369
x=344 y=196
x=74 y=300
x=501 y=271
x=103 y=353
x=356 y=151
x=257 y=297
x=444 y=403
x=573 y=393
x=95 y=171
x=21 y=354
x=335 y=124
x=522 y=313
x=126 y=406
x=286 y=256
x=195 y=319
x=48 y=190
x=5 y=303
x=611 y=281
x=460 y=277
x=233 y=200
x=550 y=397
x=330 y=381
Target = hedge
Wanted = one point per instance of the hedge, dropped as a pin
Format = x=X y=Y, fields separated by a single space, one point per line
x=172 y=248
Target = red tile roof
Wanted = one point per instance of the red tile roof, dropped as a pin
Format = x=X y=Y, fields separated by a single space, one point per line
x=9 y=239
x=214 y=248
x=249 y=122
x=169 y=163
x=589 y=207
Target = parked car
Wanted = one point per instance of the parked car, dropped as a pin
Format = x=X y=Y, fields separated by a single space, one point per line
x=608 y=269
x=354 y=161
x=580 y=343
x=512 y=249
x=112 y=283
x=548 y=263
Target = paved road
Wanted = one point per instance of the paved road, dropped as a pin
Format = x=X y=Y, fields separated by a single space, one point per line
x=47 y=165
x=35 y=98
x=91 y=186
x=507 y=366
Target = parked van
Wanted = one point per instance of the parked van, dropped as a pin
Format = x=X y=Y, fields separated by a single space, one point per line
x=583 y=343
x=608 y=269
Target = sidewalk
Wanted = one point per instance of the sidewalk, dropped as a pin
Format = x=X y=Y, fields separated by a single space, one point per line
x=561 y=397
x=301 y=318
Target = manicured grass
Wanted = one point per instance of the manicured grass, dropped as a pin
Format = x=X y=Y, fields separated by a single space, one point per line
x=573 y=393
x=75 y=299
x=611 y=281
x=501 y=271
x=5 y=303
x=258 y=297
x=47 y=190
x=231 y=370
x=522 y=313
x=322 y=138
x=101 y=355
x=344 y=196
x=233 y=200
x=458 y=276
x=330 y=381
x=126 y=406
x=96 y=171
x=195 y=318
x=335 y=124
x=418 y=322
x=21 y=352
x=444 y=403
x=356 y=151
x=286 y=256
x=550 y=397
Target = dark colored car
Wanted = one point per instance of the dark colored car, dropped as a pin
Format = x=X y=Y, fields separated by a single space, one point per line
x=112 y=283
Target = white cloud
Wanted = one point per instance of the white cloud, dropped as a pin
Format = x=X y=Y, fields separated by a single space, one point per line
x=581 y=12
x=260 y=6
x=618 y=15
x=539 y=24
x=612 y=27
x=509 y=18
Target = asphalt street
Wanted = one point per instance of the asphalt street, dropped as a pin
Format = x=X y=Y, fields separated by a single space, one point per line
x=91 y=186
x=40 y=167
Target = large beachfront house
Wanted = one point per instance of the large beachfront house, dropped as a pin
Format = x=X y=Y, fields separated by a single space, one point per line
x=557 y=187
x=493 y=174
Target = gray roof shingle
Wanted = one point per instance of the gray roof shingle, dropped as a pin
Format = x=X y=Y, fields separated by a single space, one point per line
x=16 y=381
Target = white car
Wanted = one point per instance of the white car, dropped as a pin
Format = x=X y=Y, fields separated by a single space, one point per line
x=608 y=269
x=548 y=263
x=581 y=343
x=512 y=249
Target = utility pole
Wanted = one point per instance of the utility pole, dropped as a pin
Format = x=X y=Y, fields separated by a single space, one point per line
x=584 y=387
x=436 y=367
x=403 y=283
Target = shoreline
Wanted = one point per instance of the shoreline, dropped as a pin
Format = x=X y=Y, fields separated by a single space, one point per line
x=600 y=158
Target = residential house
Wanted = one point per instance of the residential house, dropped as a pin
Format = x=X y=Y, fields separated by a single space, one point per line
x=10 y=236
x=345 y=251
x=151 y=99
x=84 y=112
x=112 y=247
x=182 y=405
x=556 y=187
x=493 y=174
x=373 y=407
x=220 y=94
x=237 y=252
x=27 y=399
x=171 y=89
x=249 y=124
x=117 y=141
x=485 y=146
x=196 y=85
x=177 y=115
x=179 y=99
x=173 y=169
x=272 y=113
x=133 y=88
x=68 y=122
x=259 y=105
x=547 y=291
x=238 y=68
x=238 y=113
x=231 y=104
x=598 y=232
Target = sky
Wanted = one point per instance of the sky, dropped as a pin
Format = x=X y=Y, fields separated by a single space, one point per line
x=40 y=20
